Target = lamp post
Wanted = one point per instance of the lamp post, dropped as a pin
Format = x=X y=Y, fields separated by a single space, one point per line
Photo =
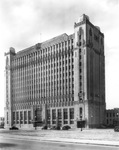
x=81 y=123
x=35 y=118
x=91 y=120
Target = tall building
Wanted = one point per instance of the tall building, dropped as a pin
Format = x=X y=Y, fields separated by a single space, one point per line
x=57 y=82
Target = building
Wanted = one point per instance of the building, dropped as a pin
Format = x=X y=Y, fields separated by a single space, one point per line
x=112 y=115
x=57 y=82
x=1 y=122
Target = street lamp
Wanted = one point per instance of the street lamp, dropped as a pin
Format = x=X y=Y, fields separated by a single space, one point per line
x=91 y=120
x=35 y=118
x=81 y=122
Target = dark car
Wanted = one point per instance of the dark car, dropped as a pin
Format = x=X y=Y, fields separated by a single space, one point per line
x=14 y=128
x=55 y=128
x=66 y=127
x=44 y=128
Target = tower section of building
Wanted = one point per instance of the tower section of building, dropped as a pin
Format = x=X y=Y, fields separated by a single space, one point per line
x=8 y=87
x=89 y=72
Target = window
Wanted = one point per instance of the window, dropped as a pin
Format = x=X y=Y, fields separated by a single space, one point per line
x=25 y=117
x=48 y=116
x=53 y=116
x=17 y=117
x=80 y=37
x=13 y=117
x=29 y=117
x=65 y=116
x=59 y=114
x=71 y=111
x=81 y=112
x=21 y=117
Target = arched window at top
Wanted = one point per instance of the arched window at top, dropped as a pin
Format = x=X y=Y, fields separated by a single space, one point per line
x=80 y=31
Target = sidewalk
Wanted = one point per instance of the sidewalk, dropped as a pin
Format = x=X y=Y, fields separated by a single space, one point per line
x=94 y=136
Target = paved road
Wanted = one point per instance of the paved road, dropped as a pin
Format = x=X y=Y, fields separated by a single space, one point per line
x=26 y=144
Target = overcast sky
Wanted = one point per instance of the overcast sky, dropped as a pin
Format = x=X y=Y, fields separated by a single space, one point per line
x=24 y=23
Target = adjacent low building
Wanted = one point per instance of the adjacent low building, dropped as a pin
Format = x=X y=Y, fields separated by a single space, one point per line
x=112 y=115
x=58 y=82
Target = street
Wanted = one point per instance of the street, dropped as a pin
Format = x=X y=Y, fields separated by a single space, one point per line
x=7 y=143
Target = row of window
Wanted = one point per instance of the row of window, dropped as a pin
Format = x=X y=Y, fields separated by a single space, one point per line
x=42 y=52
x=62 y=115
x=22 y=117
x=116 y=114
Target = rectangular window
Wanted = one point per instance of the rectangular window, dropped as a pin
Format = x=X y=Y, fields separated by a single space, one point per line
x=17 y=117
x=59 y=114
x=48 y=116
x=71 y=111
x=25 y=117
x=53 y=116
x=14 y=118
x=65 y=114
x=29 y=117
x=59 y=117
x=81 y=112
x=21 y=117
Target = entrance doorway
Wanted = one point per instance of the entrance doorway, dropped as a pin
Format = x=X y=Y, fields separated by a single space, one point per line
x=38 y=117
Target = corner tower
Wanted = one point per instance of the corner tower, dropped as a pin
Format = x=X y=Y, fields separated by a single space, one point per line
x=89 y=74
x=8 y=88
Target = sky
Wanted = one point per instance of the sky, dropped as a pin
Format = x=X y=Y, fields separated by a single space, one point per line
x=24 y=23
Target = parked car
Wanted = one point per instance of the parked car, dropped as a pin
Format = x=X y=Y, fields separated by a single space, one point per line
x=52 y=128
x=55 y=128
x=58 y=128
x=66 y=127
x=14 y=128
x=44 y=127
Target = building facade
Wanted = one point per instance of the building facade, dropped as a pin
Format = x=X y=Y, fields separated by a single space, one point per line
x=112 y=116
x=57 y=82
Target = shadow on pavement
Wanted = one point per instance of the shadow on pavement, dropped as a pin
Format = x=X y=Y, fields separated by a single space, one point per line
x=3 y=145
